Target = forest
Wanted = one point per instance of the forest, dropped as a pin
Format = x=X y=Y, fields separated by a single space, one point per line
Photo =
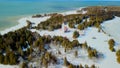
x=96 y=15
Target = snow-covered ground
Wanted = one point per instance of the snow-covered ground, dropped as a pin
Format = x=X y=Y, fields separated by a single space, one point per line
x=95 y=39
x=74 y=12
x=100 y=43
x=112 y=27
x=8 y=66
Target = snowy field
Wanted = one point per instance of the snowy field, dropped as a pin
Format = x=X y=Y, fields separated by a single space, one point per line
x=112 y=27
x=100 y=43
x=9 y=66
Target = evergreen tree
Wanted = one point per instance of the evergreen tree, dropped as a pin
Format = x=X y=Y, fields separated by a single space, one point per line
x=84 y=45
x=80 y=27
x=24 y=65
x=112 y=48
x=97 y=25
x=45 y=63
x=70 y=66
x=118 y=56
x=93 y=66
x=86 y=66
x=71 y=25
x=20 y=51
x=81 y=66
x=76 y=53
x=92 y=53
x=75 y=34
x=118 y=59
x=12 y=58
x=118 y=53
x=6 y=60
x=28 y=24
x=75 y=43
x=66 y=63
x=111 y=43
x=1 y=58
x=47 y=56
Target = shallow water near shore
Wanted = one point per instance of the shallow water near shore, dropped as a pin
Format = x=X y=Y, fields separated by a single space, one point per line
x=8 y=22
x=11 y=11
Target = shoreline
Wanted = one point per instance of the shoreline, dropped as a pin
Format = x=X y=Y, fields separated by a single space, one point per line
x=10 y=22
x=22 y=21
x=13 y=20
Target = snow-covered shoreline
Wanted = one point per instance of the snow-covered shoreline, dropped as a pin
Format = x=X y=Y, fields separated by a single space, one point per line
x=22 y=22
x=16 y=27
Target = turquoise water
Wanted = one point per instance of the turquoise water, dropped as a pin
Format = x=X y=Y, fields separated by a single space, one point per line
x=11 y=11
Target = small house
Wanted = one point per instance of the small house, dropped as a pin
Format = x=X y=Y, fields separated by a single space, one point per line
x=65 y=29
